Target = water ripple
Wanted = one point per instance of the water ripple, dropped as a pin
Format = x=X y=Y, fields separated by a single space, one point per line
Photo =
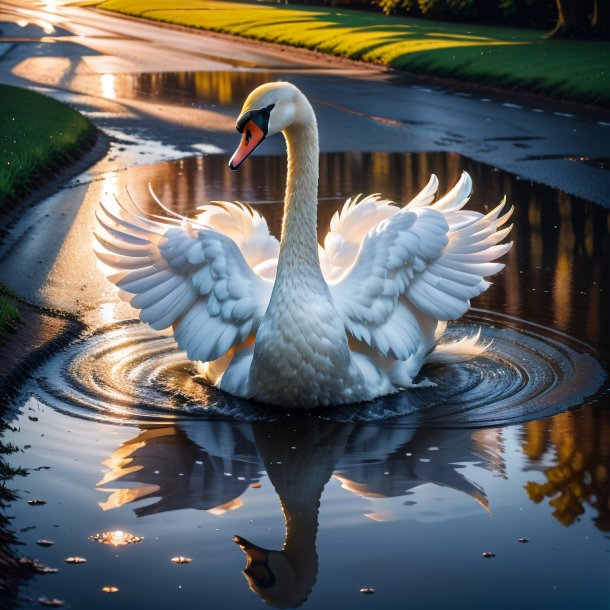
x=130 y=373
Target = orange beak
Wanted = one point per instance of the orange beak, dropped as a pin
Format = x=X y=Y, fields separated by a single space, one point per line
x=251 y=136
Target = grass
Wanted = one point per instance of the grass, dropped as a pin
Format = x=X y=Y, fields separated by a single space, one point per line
x=508 y=58
x=9 y=314
x=37 y=135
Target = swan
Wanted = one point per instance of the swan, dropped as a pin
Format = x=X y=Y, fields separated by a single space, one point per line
x=295 y=323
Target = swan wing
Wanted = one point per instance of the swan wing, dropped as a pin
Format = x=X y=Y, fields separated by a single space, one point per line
x=245 y=226
x=349 y=226
x=443 y=289
x=184 y=275
x=429 y=257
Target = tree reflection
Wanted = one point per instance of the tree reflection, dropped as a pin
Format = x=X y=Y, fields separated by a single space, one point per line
x=553 y=275
x=573 y=452
x=215 y=88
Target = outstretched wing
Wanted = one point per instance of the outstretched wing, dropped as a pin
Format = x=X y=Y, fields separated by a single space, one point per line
x=349 y=226
x=183 y=274
x=444 y=288
x=431 y=258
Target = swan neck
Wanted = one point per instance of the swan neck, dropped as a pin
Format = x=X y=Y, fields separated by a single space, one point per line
x=301 y=532
x=299 y=242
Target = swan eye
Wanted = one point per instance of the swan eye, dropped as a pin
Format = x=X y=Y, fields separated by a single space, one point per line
x=248 y=136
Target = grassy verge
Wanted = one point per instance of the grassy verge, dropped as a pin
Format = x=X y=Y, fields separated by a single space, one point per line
x=37 y=136
x=501 y=57
x=9 y=314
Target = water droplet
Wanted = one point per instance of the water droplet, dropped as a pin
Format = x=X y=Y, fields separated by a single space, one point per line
x=110 y=589
x=181 y=559
x=45 y=542
x=75 y=560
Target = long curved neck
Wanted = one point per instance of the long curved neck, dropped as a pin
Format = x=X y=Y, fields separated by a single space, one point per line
x=299 y=242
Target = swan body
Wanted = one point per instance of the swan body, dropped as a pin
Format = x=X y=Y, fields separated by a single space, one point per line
x=296 y=323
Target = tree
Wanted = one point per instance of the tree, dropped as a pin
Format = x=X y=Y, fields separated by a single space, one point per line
x=600 y=21
x=582 y=19
x=572 y=20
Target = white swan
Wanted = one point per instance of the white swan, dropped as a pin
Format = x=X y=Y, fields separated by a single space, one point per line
x=294 y=323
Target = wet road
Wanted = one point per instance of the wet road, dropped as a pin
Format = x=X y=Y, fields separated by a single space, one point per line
x=104 y=65
x=182 y=99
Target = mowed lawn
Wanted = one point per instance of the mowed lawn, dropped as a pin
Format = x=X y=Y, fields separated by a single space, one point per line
x=37 y=135
x=509 y=58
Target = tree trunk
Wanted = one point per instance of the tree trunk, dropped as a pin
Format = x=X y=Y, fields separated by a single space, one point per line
x=600 y=21
x=572 y=19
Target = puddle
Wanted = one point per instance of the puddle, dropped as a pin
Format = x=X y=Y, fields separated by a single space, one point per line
x=222 y=88
x=554 y=274
x=314 y=508
x=132 y=374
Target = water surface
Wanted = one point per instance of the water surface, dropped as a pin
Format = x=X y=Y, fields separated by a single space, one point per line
x=405 y=505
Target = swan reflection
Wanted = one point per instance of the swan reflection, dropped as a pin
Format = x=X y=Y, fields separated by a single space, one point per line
x=209 y=473
x=208 y=465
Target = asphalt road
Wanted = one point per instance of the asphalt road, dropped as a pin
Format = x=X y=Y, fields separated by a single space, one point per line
x=359 y=108
x=142 y=84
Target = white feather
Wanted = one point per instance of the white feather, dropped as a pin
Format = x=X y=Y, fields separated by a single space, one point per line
x=344 y=322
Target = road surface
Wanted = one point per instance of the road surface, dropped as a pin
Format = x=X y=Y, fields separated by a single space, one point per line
x=162 y=93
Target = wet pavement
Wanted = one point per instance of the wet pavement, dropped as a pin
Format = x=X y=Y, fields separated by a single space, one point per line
x=120 y=437
x=102 y=64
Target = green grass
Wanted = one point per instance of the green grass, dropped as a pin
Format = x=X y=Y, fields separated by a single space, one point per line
x=508 y=58
x=37 y=135
x=9 y=314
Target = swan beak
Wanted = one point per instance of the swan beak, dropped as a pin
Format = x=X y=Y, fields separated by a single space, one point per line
x=252 y=551
x=251 y=136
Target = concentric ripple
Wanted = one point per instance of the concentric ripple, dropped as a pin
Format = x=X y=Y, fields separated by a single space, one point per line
x=131 y=373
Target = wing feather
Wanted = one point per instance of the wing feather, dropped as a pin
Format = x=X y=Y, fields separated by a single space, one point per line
x=187 y=274
x=426 y=257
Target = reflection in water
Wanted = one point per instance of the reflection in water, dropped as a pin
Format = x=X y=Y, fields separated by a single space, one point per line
x=554 y=275
x=208 y=465
x=164 y=462
x=218 y=88
x=573 y=451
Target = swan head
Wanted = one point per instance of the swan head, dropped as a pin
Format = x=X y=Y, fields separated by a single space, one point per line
x=269 y=109
x=274 y=577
